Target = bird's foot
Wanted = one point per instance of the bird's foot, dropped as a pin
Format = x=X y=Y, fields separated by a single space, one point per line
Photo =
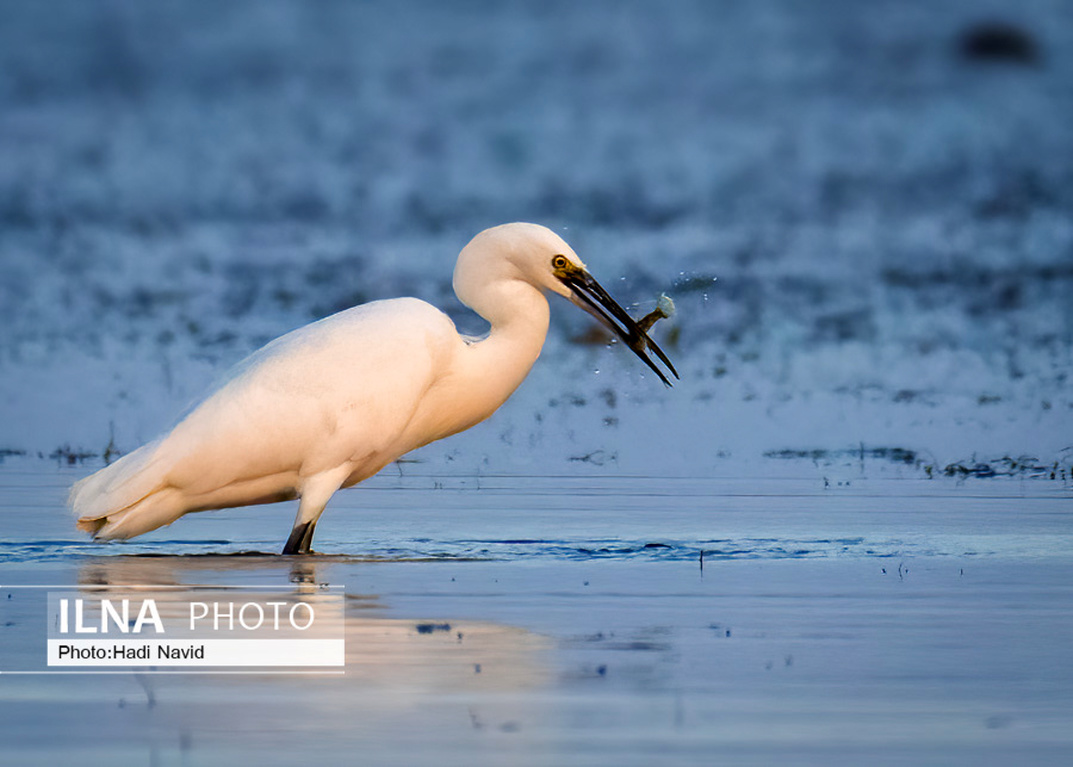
x=300 y=540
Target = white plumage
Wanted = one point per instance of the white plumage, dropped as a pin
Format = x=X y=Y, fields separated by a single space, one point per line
x=330 y=404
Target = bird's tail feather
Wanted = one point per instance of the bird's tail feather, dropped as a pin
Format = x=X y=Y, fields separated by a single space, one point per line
x=128 y=498
x=155 y=510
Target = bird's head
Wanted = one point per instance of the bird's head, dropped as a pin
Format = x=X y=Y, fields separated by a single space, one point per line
x=537 y=255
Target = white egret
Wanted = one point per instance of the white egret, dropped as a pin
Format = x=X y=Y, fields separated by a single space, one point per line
x=330 y=404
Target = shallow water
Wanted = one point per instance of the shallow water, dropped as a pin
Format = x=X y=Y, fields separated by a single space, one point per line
x=864 y=226
x=886 y=622
x=403 y=514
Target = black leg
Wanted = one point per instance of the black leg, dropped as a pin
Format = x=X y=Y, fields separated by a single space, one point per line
x=306 y=546
x=300 y=538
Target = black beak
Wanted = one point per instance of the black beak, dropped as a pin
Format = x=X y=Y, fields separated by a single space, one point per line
x=590 y=296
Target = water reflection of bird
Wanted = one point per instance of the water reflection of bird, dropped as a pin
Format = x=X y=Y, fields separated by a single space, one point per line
x=330 y=404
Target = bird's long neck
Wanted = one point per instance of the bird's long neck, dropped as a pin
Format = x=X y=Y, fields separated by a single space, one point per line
x=518 y=314
x=484 y=373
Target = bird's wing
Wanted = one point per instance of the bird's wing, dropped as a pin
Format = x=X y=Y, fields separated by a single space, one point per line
x=335 y=391
x=338 y=390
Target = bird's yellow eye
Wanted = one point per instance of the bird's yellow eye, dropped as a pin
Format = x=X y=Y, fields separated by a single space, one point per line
x=559 y=262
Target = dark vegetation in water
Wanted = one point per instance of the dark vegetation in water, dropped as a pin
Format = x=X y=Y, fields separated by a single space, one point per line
x=66 y=455
x=1022 y=466
x=892 y=454
x=71 y=456
x=1027 y=467
x=9 y=452
x=596 y=458
x=432 y=628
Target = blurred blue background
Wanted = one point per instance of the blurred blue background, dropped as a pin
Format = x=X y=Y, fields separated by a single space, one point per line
x=861 y=209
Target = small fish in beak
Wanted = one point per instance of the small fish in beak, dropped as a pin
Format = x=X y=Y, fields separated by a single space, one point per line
x=664 y=310
x=590 y=296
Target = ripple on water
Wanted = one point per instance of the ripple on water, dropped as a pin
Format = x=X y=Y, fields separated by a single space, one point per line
x=575 y=550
